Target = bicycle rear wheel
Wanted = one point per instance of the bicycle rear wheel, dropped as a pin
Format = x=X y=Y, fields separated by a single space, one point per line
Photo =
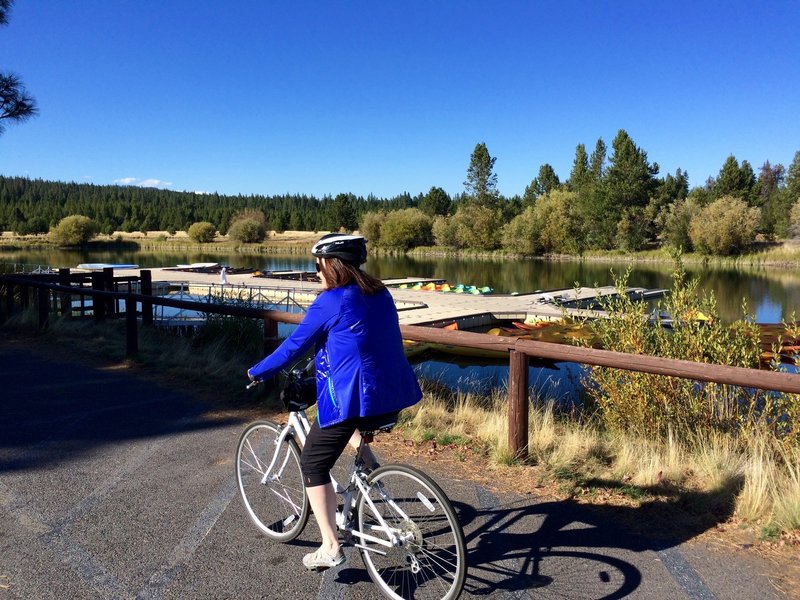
x=275 y=501
x=430 y=559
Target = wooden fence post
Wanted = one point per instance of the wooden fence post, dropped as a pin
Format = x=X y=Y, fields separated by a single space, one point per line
x=108 y=285
x=131 y=330
x=270 y=335
x=44 y=306
x=66 y=299
x=24 y=296
x=98 y=303
x=9 y=300
x=518 y=404
x=146 y=289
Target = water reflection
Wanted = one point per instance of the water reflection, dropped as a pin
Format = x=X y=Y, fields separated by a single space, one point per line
x=560 y=382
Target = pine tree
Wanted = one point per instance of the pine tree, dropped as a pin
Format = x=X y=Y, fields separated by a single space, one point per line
x=580 y=175
x=481 y=182
x=16 y=105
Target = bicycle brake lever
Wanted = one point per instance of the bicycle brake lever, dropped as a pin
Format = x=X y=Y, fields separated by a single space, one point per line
x=252 y=384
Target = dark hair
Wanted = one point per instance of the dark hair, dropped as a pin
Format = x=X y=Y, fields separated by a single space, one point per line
x=339 y=273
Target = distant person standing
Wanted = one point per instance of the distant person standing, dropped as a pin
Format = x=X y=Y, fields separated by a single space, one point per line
x=223 y=276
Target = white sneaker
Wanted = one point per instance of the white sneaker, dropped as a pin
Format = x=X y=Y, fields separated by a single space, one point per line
x=321 y=560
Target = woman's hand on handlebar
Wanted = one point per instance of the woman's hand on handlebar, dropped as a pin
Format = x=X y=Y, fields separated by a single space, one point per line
x=253 y=381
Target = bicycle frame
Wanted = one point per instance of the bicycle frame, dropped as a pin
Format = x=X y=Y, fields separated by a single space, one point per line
x=299 y=426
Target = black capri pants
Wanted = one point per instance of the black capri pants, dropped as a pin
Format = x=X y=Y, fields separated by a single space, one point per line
x=324 y=446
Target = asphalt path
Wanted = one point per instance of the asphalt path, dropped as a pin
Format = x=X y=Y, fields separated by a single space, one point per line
x=112 y=486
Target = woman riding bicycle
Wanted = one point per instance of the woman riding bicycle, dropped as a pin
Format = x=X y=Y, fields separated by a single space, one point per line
x=361 y=371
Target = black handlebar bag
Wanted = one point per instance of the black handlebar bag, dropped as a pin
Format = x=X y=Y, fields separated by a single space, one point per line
x=300 y=391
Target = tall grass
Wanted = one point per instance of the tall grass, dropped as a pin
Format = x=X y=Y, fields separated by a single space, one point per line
x=754 y=477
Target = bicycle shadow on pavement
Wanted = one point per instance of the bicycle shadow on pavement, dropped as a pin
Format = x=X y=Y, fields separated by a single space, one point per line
x=564 y=549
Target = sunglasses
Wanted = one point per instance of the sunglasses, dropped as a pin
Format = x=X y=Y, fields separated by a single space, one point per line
x=317 y=266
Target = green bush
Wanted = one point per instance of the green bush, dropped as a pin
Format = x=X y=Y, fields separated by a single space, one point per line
x=676 y=224
x=247 y=231
x=551 y=225
x=406 y=228
x=202 y=232
x=444 y=232
x=726 y=226
x=370 y=226
x=478 y=227
x=74 y=231
x=657 y=406
x=633 y=229
x=794 y=220
x=521 y=235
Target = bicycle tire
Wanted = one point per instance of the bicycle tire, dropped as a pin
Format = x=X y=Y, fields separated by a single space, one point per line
x=279 y=506
x=432 y=563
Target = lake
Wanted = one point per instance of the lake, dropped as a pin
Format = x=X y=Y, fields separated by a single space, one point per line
x=771 y=294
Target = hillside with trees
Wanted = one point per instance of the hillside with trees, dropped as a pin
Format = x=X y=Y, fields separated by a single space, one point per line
x=613 y=200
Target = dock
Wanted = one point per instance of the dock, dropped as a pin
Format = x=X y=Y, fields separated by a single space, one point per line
x=414 y=307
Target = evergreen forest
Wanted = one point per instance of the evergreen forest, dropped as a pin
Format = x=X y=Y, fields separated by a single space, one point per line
x=613 y=199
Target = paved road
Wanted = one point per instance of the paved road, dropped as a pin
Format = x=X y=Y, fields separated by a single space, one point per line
x=114 y=487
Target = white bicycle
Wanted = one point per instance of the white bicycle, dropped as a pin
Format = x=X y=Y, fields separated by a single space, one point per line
x=402 y=523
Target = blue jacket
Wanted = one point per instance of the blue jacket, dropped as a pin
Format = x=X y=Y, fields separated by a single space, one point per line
x=362 y=370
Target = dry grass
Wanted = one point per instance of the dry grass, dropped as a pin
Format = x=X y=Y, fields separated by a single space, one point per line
x=763 y=476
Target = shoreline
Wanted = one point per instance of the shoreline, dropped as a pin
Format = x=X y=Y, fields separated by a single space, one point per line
x=777 y=255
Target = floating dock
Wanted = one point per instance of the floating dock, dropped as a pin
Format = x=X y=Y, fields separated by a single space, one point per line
x=415 y=307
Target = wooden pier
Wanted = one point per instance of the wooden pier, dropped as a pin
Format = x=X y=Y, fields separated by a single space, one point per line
x=415 y=307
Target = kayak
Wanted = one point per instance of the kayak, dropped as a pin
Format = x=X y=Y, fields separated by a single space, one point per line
x=413 y=348
x=101 y=266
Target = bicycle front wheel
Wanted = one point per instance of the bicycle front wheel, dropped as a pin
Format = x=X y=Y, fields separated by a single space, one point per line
x=275 y=499
x=426 y=556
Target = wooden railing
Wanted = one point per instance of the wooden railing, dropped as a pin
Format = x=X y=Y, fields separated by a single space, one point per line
x=520 y=351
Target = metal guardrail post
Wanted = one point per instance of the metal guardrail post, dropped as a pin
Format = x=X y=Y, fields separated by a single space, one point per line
x=518 y=404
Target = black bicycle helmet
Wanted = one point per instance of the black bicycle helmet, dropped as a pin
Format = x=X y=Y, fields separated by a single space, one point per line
x=352 y=249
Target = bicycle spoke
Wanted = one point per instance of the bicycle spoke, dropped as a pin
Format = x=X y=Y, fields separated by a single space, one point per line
x=429 y=558
x=275 y=501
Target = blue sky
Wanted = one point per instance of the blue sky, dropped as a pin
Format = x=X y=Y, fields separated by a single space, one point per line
x=262 y=97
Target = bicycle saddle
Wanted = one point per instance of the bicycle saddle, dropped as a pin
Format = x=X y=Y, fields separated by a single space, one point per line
x=384 y=423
